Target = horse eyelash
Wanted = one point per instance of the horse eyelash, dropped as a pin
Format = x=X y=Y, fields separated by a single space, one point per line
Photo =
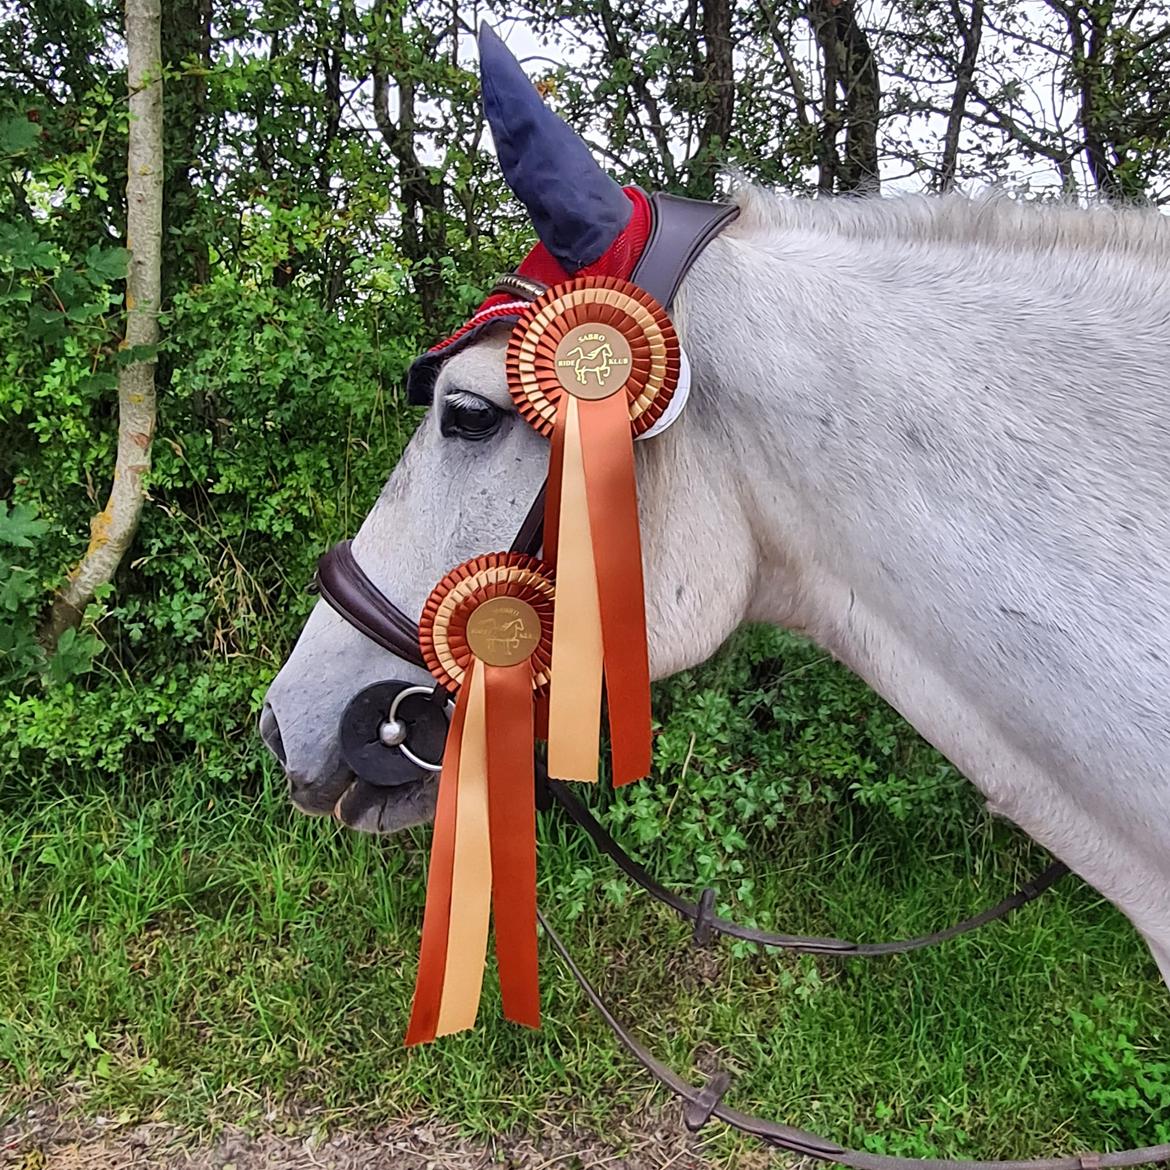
x=459 y=398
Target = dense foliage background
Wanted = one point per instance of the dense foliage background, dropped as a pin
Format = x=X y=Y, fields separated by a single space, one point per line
x=331 y=206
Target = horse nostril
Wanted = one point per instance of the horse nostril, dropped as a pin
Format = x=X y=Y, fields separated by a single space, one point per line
x=270 y=734
x=298 y=789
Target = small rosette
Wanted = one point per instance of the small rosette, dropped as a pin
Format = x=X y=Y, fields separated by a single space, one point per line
x=497 y=608
x=485 y=633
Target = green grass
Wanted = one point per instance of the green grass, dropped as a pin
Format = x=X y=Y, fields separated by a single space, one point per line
x=177 y=948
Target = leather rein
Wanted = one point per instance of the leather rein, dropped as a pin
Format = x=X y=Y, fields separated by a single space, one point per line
x=682 y=228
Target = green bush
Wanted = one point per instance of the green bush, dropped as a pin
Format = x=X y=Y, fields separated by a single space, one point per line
x=277 y=433
x=772 y=733
x=1127 y=1081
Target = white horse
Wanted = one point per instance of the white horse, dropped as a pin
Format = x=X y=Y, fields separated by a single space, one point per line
x=933 y=435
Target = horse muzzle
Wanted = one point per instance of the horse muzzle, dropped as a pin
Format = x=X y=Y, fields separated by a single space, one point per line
x=376 y=768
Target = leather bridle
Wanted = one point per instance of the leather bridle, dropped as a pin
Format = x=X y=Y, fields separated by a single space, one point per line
x=388 y=721
x=344 y=585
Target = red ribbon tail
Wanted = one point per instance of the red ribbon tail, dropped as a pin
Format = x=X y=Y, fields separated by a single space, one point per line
x=512 y=817
x=612 y=490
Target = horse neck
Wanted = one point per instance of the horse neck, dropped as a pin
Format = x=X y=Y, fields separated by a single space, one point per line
x=952 y=462
x=912 y=427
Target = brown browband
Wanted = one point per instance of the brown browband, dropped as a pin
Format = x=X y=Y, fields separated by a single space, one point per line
x=682 y=228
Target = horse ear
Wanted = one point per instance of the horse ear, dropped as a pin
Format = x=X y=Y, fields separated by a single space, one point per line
x=577 y=209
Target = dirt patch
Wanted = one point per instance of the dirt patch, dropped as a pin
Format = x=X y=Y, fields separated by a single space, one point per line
x=45 y=1139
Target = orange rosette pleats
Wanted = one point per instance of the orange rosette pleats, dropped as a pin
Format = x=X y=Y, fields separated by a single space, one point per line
x=485 y=633
x=592 y=363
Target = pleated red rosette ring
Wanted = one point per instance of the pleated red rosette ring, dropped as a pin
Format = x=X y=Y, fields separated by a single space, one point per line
x=592 y=363
x=486 y=633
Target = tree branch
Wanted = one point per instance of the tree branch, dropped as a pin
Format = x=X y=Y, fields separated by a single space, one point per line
x=799 y=93
x=618 y=51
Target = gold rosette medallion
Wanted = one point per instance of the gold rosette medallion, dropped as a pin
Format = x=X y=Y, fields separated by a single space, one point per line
x=486 y=633
x=591 y=364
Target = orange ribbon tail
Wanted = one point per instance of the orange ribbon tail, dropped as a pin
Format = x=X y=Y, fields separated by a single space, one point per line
x=611 y=486
x=552 y=491
x=432 y=959
x=512 y=810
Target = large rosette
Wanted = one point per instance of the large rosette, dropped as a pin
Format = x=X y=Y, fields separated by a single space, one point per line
x=590 y=313
x=592 y=363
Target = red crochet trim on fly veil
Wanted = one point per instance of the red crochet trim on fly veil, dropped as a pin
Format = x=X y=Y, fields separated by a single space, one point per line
x=618 y=260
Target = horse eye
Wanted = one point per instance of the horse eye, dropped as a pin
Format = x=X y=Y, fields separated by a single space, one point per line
x=467 y=416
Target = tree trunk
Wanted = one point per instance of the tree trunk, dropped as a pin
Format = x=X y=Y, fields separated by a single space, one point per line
x=718 y=97
x=859 y=172
x=113 y=528
x=971 y=32
x=849 y=62
x=1094 y=116
x=424 y=230
x=821 y=17
x=185 y=253
x=640 y=93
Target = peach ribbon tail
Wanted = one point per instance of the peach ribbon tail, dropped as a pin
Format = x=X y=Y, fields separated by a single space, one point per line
x=574 y=717
x=471 y=879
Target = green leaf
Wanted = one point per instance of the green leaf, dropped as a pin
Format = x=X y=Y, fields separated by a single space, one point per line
x=46 y=324
x=17 y=135
x=106 y=264
x=16 y=588
x=74 y=655
x=19 y=526
x=34 y=254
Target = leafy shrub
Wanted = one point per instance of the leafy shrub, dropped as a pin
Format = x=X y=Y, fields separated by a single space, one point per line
x=1130 y=1085
x=277 y=431
x=769 y=733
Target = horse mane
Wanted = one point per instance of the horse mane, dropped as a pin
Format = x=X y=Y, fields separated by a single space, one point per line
x=992 y=220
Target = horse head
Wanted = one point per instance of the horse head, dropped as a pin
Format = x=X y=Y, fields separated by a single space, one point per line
x=473 y=468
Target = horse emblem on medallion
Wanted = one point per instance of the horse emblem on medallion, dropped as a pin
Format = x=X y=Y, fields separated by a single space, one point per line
x=597 y=360
x=503 y=631
x=587 y=362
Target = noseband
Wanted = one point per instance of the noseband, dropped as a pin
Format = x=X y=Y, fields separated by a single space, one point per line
x=392 y=734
